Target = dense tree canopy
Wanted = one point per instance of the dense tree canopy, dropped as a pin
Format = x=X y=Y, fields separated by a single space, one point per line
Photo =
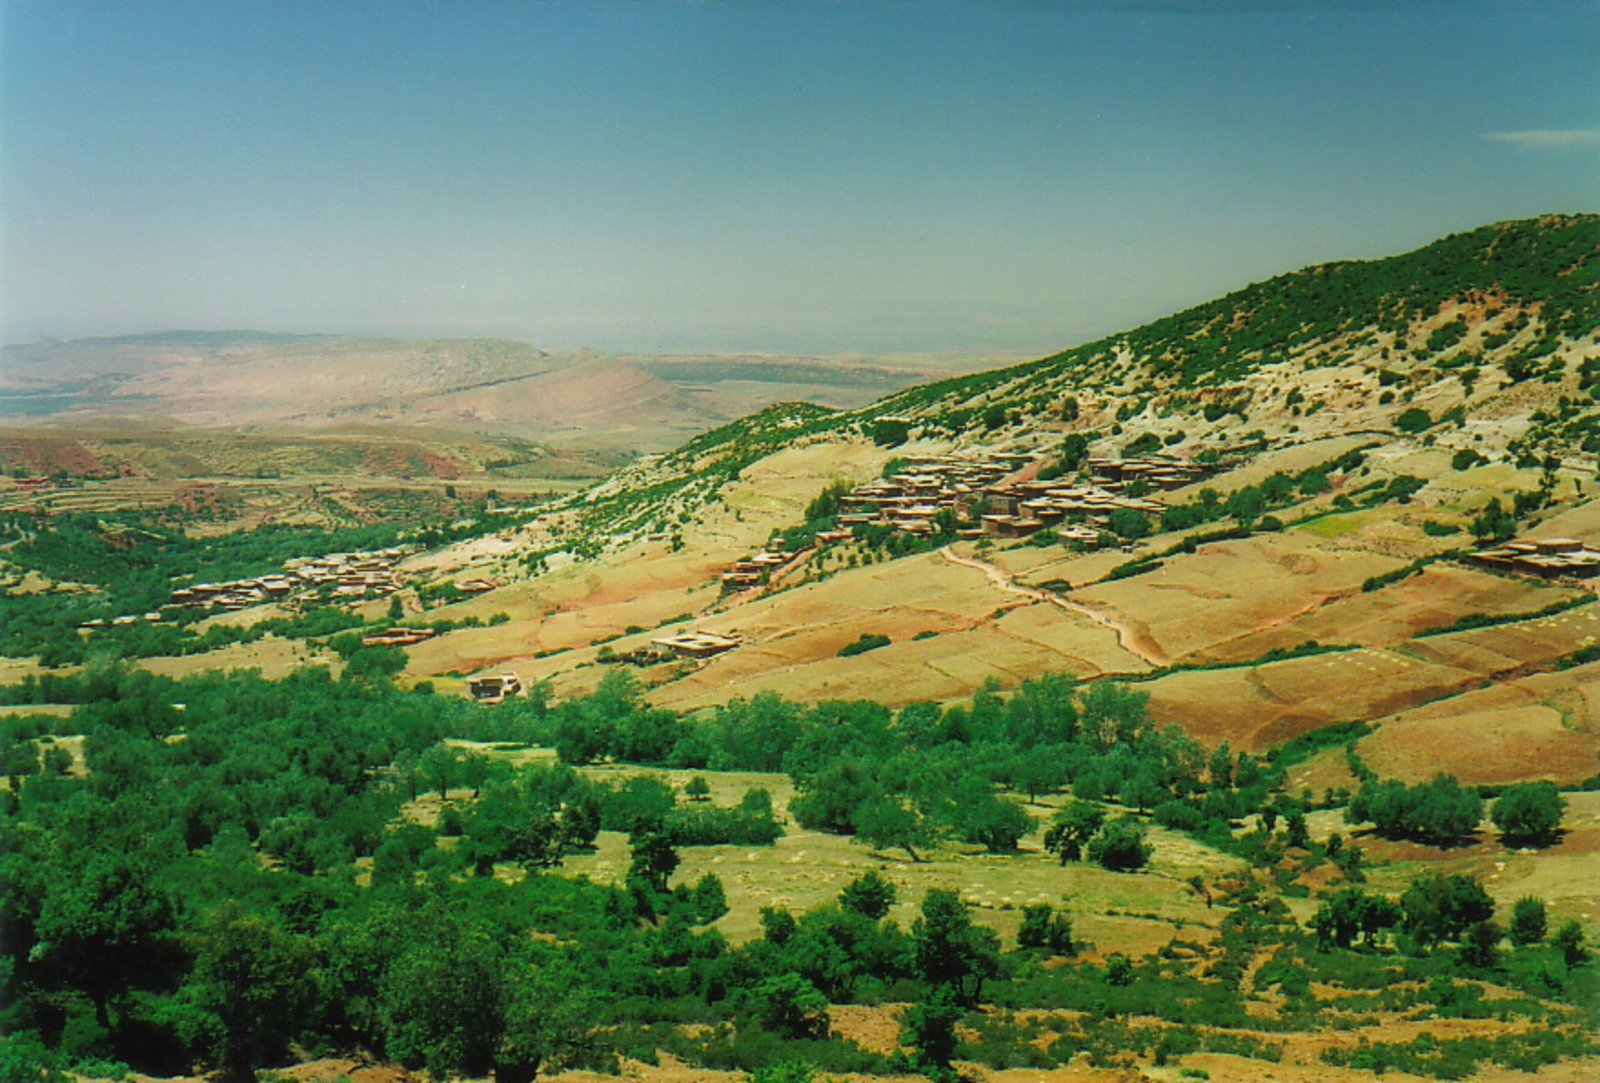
x=252 y=864
x=1440 y=811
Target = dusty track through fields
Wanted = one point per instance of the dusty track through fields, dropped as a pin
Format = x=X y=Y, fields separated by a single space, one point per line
x=1134 y=638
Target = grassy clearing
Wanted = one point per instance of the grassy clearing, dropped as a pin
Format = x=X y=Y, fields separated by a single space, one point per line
x=275 y=658
x=1114 y=911
x=1339 y=525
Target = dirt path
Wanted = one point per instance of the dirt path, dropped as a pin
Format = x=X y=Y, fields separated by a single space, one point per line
x=1133 y=636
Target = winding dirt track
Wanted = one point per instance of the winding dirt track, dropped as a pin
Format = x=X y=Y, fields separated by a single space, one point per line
x=1133 y=637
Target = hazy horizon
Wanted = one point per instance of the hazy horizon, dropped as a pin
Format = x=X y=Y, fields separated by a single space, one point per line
x=779 y=177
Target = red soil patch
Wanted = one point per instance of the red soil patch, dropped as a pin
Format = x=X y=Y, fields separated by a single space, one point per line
x=47 y=456
x=399 y=460
x=1478 y=854
x=1484 y=748
x=874 y=1027
x=1259 y=707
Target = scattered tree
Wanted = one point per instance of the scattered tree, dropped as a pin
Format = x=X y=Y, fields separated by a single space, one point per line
x=1528 y=921
x=1120 y=846
x=1413 y=420
x=253 y=983
x=791 y=1006
x=886 y=823
x=1443 y=907
x=929 y=1028
x=1569 y=940
x=1351 y=911
x=1528 y=813
x=1072 y=829
x=1043 y=927
x=1494 y=523
x=1479 y=947
x=870 y=895
x=950 y=950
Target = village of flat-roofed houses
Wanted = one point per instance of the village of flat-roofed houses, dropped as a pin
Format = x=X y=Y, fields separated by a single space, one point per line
x=990 y=493
x=338 y=577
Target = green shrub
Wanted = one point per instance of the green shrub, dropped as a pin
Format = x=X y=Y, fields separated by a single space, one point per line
x=869 y=641
x=1142 y=445
x=1413 y=420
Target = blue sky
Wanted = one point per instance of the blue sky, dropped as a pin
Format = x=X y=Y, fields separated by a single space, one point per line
x=828 y=176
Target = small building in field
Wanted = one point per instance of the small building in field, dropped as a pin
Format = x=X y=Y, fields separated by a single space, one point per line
x=1551 y=558
x=1086 y=536
x=496 y=688
x=697 y=644
x=396 y=637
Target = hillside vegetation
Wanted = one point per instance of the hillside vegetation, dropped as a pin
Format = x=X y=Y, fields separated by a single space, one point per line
x=1470 y=320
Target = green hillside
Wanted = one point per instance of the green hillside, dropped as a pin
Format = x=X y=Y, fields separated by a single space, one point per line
x=1494 y=323
x=1536 y=281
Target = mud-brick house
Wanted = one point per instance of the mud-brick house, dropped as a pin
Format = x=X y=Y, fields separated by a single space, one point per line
x=1002 y=500
x=1009 y=526
x=276 y=586
x=697 y=644
x=871 y=498
x=916 y=484
x=496 y=688
x=914 y=525
x=1086 y=536
x=1548 y=557
x=1046 y=510
x=396 y=637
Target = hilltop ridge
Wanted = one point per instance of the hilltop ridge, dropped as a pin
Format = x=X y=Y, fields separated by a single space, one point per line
x=1497 y=321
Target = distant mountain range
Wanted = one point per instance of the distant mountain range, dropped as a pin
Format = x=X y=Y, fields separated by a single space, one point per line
x=495 y=386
